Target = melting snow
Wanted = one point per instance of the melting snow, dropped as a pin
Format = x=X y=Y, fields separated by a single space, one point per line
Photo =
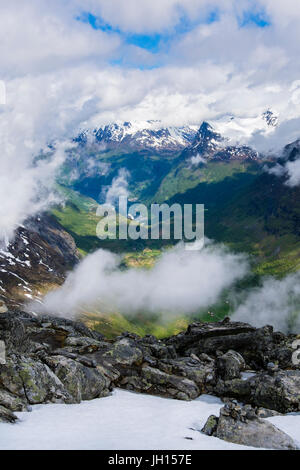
x=123 y=421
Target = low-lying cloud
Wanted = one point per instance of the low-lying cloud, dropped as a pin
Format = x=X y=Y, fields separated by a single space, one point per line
x=195 y=160
x=276 y=303
x=118 y=188
x=181 y=282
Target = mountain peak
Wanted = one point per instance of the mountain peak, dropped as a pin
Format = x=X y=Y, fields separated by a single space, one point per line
x=210 y=145
x=207 y=140
x=270 y=117
x=142 y=135
x=205 y=127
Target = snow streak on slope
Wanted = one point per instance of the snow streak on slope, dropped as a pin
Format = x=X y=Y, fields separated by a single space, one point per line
x=140 y=135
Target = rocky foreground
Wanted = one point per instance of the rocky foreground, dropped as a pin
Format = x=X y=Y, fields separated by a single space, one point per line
x=53 y=360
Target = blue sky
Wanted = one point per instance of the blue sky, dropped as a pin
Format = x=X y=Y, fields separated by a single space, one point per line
x=178 y=61
x=157 y=41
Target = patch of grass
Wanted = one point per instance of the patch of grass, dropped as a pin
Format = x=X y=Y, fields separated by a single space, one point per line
x=115 y=324
x=183 y=178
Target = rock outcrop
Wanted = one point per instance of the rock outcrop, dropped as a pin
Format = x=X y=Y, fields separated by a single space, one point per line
x=54 y=360
x=241 y=425
x=40 y=255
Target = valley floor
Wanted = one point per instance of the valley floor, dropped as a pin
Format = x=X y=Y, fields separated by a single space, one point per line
x=124 y=421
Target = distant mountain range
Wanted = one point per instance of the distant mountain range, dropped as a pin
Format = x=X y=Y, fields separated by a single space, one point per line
x=148 y=135
x=160 y=161
x=247 y=207
x=153 y=137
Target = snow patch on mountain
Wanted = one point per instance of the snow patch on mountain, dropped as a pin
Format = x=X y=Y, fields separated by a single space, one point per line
x=240 y=130
x=140 y=135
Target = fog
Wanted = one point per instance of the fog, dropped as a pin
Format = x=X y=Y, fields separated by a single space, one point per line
x=276 y=303
x=118 y=188
x=180 y=282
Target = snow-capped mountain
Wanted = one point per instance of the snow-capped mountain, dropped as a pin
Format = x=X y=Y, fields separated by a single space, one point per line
x=270 y=118
x=207 y=140
x=209 y=144
x=144 y=135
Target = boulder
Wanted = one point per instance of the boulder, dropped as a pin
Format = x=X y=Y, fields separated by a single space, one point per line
x=124 y=353
x=230 y=365
x=258 y=346
x=211 y=425
x=7 y=416
x=161 y=383
x=81 y=382
x=240 y=425
x=10 y=379
x=280 y=392
x=12 y=402
x=193 y=369
x=40 y=384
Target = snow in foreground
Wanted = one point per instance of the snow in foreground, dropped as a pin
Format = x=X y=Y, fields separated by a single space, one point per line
x=122 y=421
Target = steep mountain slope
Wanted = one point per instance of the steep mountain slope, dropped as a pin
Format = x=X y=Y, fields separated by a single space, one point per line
x=210 y=160
x=246 y=207
x=254 y=211
x=157 y=162
x=38 y=258
x=144 y=150
x=210 y=145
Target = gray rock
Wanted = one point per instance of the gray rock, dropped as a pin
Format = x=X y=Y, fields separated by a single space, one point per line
x=10 y=379
x=3 y=307
x=230 y=365
x=12 y=402
x=240 y=425
x=161 y=382
x=7 y=416
x=192 y=369
x=81 y=382
x=125 y=353
x=210 y=426
x=264 y=413
x=40 y=384
x=280 y=392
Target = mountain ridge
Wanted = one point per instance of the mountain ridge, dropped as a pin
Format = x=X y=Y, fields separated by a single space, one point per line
x=144 y=135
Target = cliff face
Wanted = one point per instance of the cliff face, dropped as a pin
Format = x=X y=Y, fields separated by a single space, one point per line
x=39 y=256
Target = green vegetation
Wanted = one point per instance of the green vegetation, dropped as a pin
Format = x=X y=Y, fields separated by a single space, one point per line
x=115 y=324
x=183 y=178
x=247 y=209
x=78 y=217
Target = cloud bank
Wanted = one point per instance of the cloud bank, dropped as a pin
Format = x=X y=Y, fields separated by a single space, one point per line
x=181 y=282
x=276 y=303
x=82 y=63
x=118 y=188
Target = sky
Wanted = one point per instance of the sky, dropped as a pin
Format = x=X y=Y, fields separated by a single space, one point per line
x=74 y=64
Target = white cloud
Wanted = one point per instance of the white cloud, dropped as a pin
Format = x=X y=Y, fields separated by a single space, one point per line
x=58 y=78
x=197 y=159
x=36 y=37
x=180 y=282
x=39 y=110
x=293 y=171
x=118 y=188
x=276 y=303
